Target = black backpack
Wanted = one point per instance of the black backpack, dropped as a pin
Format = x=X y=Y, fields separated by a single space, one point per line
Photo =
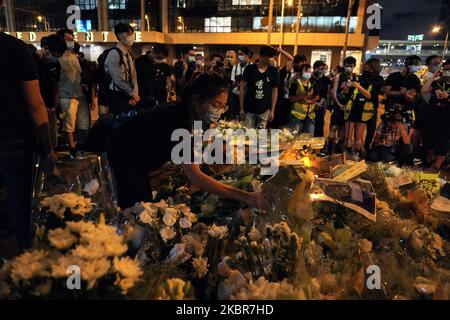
x=103 y=78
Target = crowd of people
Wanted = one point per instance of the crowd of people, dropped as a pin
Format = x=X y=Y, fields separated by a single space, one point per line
x=54 y=99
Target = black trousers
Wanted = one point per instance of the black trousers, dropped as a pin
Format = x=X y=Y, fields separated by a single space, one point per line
x=16 y=174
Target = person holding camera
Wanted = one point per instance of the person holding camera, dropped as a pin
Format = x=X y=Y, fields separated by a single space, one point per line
x=392 y=140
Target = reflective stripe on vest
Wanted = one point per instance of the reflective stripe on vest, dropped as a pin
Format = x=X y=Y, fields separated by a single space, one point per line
x=303 y=110
x=368 y=109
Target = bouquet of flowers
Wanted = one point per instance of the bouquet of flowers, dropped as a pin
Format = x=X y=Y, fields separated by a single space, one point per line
x=80 y=261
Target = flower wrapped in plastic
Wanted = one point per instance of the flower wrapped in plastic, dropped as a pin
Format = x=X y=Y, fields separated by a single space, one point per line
x=74 y=190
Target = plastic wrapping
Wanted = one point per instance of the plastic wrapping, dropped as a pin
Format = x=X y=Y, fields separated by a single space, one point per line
x=89 y=176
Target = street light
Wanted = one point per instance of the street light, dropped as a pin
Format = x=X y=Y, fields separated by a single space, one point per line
x=438 y=29
x=147 y=19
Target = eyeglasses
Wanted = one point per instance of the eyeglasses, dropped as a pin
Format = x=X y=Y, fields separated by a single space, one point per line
x=218 y=108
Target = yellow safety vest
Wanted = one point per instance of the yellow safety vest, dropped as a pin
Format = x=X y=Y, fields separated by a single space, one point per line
x=368 y=109
x=301 y=110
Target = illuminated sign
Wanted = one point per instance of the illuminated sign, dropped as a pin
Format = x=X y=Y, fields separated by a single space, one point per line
x=415 y=37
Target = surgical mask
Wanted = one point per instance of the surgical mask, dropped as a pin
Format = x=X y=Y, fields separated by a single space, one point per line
x=415 y=69
x=199 y=63
x=191 y=59
x=129 y=41
x=326 y=73
x=349 y=70
x=212 y=116
x=242 y=59
x=70 y=44
x=434 y=68
x=306 y=76
x=446 y=74
x=230 y=60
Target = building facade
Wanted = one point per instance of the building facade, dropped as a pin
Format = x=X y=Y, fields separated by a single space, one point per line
x=210 y=26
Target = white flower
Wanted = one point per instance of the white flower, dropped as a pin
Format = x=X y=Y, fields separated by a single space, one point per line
x=185 y=223
x=161 y=204
x=127 y=268
x=93 y=270
x=201 y=266
x=89 y=252
x=194 y=244
x=170 y=217
x=254 y=234
x=61 y=238
x=58 y=204
x=217 y=231
x=167 y=233
x=191 y=216
x=146 y=218
x=223 y=269
x=183 y=208
x=91 y=187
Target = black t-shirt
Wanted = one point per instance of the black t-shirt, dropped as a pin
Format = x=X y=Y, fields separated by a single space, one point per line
x=323 y=84
x=178 y=69
x=259 y=88
x=397 y=81
x=17 y=66
x=152 y=78
x=145 y=141
x=48 y=73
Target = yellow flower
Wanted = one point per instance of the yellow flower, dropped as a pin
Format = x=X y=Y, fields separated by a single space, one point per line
x=59 y=267
x=92 y=271
x=201 y=266
x=127 y=268
x=61 y=238
x=80 y=227
x=30 y=265
x=126 y=284
x=217 y=231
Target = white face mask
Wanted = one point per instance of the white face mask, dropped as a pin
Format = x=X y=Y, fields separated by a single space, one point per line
x=129 y=41
x=242 y=59
x=306 y=76
x=349 y=70
x=191 y=59
x=70 y=44
x=446 y=74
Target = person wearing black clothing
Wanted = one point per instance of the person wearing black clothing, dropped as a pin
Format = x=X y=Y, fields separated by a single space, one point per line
x=259 y=90
x=323 y=84
x=398 y=83
x=437 y=123
x=362 y=106
x=49 y=69
x=340 y=95
x=244 y=58
x=145 y=143
x=285 y=75
x=184 y=69
x=153 y=74
x=22 y=109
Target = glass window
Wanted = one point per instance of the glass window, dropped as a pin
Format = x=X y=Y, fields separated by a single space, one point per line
x=247 y=2
x=218 y=24
x=86 y=4
x=117 y=4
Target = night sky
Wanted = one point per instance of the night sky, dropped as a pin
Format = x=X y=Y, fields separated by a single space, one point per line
x=403 y=17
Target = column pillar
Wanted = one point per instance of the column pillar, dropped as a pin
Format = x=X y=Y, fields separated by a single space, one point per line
x=165 y=16
x=10 y=16
x=103 y=20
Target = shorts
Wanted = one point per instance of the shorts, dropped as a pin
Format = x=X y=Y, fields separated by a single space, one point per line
x=337 y=117
x=356 y=114
x=76 y=114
